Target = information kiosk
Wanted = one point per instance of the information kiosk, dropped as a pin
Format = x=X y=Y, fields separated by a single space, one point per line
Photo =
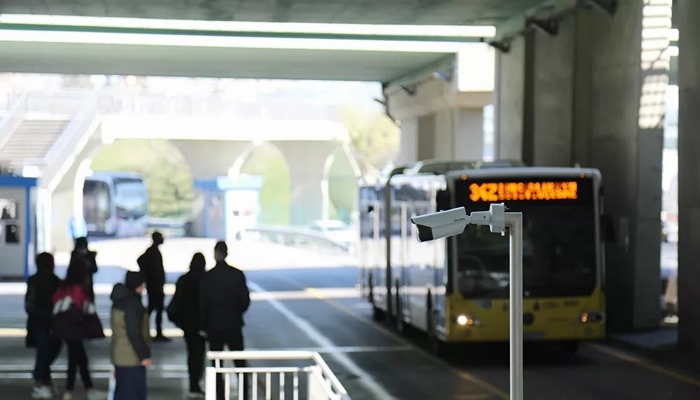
x=17 y=217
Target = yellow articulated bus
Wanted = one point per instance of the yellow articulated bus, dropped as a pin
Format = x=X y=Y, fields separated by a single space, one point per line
x=456 y=290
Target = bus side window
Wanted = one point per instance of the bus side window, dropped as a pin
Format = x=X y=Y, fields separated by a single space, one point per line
x=608 y=228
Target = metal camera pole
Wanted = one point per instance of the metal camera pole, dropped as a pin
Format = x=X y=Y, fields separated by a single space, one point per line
x=499 y=220
x=514 y=222
x=453 y=222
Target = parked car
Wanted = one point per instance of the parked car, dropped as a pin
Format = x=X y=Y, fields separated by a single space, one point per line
x=336 y=231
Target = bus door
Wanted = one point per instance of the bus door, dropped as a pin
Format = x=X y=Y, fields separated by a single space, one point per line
x=403 y=278
x=376 y=250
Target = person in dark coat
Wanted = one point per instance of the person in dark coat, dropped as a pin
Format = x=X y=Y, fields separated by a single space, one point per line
x=38 y=303
x=89 y=257
x=224 y=298
x=131 y=352
x=151 y=265
x=184 y=312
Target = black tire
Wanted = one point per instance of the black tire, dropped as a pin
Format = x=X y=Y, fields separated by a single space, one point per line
x=436 y=346
x=570 y=347
x=399 y=323
x=377 y=313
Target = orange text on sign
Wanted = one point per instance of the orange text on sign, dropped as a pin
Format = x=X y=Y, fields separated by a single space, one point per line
x=515 y=191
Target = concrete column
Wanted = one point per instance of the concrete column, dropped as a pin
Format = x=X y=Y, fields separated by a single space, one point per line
x=589 y=95
x=306 y=160
x=552 y=97
x=625 y=113
x=439 y=121
x=208 y=159
x=512 y=77
x=468 y=131
x=688 y=174
x=452 y=134
x=408 y=150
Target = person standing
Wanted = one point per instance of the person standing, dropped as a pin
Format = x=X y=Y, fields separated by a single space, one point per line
x=38 y=303
x=70 y=302
x=183 y=311
x=130 y=349
x=224 y=298
x=151 y=265
x=89 y=257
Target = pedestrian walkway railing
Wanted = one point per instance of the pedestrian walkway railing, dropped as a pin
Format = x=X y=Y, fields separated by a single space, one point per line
x=294 y=375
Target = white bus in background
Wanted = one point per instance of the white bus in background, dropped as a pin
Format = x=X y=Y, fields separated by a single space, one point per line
x=115 y=204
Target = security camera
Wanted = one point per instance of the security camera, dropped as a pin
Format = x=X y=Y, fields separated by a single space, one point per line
x=441 y=224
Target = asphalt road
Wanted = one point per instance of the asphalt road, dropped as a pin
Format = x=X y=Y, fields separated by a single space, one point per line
x=317 y=308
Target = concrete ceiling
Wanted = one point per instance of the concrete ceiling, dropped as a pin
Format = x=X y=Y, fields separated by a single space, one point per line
x=141 y=50
x=202 y=61
x=421 y=12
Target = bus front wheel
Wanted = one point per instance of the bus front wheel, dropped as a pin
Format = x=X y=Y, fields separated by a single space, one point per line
x=377 y=313
x=399 y=322
x=437 y=346
x=570 y=347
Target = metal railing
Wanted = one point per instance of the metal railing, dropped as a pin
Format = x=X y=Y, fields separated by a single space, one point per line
x=70 y=143
x=144 y=102
x=297 y=237
x=313 y=381
x=13 y=119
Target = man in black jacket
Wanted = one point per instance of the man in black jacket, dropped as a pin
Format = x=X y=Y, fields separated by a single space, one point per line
x=38 y=303
x=224 y=297
x=151 y=265
x=183 y=311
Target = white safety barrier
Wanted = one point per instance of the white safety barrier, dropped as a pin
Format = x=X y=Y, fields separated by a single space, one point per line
x=313 y=381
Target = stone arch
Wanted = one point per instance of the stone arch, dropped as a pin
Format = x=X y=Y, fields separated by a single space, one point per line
x=167 y=175
x=340 y=185
x=267 y=160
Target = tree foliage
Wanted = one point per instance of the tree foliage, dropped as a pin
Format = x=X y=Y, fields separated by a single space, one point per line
x=267 y=161
x=374 y=138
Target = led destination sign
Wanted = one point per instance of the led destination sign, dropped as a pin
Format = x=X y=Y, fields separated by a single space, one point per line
x=523 y=191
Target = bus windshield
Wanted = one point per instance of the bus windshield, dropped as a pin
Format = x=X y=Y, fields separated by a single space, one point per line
x=96 y=204
x=130 y=198
x=559 y=250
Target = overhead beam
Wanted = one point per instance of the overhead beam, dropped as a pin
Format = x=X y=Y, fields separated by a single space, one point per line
x=410 y=33
x=535 y=16
x=407 y=81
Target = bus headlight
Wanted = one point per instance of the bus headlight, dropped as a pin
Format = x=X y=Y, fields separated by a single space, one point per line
x=592 y=316
x=467 y=320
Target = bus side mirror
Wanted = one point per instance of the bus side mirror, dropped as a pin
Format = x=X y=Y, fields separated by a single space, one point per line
x=442 y=198
x=608 y=228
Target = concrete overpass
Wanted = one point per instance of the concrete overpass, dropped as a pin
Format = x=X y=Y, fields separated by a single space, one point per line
x=215 y=137
x=577 y=82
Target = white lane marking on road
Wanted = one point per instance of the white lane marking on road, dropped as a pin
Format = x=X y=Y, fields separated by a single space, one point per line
x=366 y=379
x=462 y=374
x=94 y=375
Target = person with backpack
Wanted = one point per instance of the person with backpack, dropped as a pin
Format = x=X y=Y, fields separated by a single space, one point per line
x=131 y=352
x=184 y=312
x=151 y=265
x=74 y=321
x=38 y=303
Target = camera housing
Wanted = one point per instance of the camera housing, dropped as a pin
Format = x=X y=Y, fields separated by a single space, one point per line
x=441 y=224
x=452 y=222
